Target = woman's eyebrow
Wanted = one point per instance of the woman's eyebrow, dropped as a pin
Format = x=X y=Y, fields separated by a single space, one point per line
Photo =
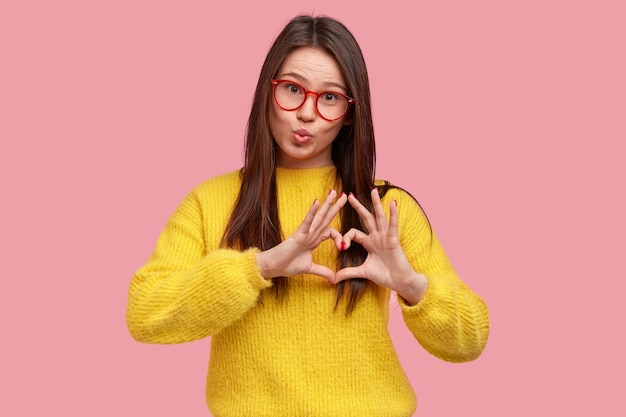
x=333 y=84
x=295 y=75
x=303 y=80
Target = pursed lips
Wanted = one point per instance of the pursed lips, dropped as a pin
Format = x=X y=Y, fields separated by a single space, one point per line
x=302 y=136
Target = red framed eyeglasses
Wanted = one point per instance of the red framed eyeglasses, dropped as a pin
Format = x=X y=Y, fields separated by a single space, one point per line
x=330 y=105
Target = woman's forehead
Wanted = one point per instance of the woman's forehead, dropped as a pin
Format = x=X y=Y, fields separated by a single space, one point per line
x=312 y=66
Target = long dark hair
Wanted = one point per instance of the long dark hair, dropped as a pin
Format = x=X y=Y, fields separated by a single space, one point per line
x=254 y=219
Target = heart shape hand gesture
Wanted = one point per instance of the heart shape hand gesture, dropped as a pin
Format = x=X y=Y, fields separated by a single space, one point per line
x=385 y=265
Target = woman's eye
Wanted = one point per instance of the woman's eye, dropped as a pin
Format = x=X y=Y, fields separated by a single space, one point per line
x=293 y=88
x=329 y=97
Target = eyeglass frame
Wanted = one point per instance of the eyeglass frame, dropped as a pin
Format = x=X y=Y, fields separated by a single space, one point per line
x=276 y=82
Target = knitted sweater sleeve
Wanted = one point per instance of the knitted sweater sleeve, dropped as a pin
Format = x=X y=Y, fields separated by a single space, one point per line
x=451 y=321
x=190 y=288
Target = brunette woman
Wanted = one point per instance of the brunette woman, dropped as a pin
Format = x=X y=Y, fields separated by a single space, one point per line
x=289 y=263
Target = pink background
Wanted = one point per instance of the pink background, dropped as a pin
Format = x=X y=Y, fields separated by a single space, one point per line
x=505 y=118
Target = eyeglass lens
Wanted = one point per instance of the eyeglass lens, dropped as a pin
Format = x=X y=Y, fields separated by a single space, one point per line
x=330 y=105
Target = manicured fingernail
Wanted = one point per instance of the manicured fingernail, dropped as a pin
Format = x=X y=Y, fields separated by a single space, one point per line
x=343 y=246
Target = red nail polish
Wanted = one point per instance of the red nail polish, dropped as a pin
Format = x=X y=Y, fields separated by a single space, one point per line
x=331 y=190
x=343 y=246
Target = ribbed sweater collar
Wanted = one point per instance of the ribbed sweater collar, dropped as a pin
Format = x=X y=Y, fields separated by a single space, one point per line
x=305 y=175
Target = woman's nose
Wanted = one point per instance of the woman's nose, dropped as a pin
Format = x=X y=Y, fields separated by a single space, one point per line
x=308 y=111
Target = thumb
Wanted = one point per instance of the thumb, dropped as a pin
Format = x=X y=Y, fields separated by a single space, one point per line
x=322 y=271
x=349 y=272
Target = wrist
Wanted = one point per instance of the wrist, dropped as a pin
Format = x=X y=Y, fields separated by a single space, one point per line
x=414 y=290
x=262 y=261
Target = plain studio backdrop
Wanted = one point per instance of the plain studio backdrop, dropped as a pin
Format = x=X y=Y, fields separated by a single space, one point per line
x=506 y=119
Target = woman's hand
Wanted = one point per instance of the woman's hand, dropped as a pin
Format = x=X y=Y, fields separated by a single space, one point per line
x=386 y=264
x=294 y=255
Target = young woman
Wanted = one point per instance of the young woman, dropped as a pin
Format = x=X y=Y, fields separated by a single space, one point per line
x=289 y=263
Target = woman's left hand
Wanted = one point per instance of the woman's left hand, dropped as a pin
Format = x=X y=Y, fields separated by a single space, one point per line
x=386 y=263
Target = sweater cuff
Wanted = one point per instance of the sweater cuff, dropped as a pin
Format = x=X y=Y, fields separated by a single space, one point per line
x=257 y=281
x=237 y=278
x=434 y=292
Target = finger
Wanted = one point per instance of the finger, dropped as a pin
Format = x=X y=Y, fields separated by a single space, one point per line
x=308 y=219
x=350 y=272
x=357 y=236
x=332 y=211
x=319 y=219
x=393 y=219
x=381 y=219
x=335 y=208
x=362 y=211
x=338 y=239
x=322 y=271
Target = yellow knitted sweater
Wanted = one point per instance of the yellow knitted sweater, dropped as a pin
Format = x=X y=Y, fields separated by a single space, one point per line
x=299 y=357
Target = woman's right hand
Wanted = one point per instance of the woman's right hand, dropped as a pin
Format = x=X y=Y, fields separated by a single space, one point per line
x=294 y=255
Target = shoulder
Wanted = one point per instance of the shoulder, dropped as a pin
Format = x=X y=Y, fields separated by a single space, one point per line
x=229 y=179
x=409 y=208
x=224 y=184
x=215 y=193
x=390 y=191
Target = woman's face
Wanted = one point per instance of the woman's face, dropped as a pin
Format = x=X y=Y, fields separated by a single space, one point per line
x=303 y=137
